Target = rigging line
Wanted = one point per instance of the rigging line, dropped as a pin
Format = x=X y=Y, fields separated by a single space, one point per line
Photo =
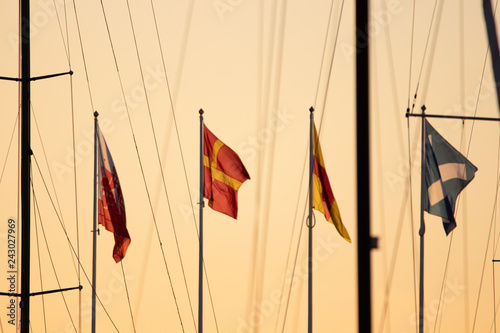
x=407 y=194
x=305 y=159
x=496 y=310
x=324 y=51
x=485 y=255
x=66 y=49
x=411 y=56
x=35 y=201
x=159 y=162
x=425 y=50
x=254 y=289
x=40 y=271
x=414 y=254
x=294 y=264
x=77 y=224
x=461 y=18
x=58 y=209
x=141 y=167
x=180 y=147
x=443 y=283
x=331 y=66
x=275 y=102
x=289 y=255
x=480 y=84
x=8 y=149
x=431 y=52
x=128 y=297
x=495 y=244
x=83 y=57
x=71 y=245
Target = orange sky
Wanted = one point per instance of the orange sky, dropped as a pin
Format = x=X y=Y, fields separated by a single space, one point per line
x=255 y=68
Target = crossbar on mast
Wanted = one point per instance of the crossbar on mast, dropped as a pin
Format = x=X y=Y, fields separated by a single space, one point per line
x=426 y=115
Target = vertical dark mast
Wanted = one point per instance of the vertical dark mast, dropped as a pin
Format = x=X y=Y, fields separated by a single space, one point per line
x=25 y=164
x=363 y=166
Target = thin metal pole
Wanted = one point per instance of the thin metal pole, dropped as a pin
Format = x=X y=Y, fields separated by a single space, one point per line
x=25 y=165
x=450 y=116
x=94 y=231
x=422 y=230
x=363 y=167
x=310 y=225
x=200 y=267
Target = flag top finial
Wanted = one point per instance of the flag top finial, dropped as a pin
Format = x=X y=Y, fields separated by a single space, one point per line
x=96 y=114
x=201 y=112
x=311 y=109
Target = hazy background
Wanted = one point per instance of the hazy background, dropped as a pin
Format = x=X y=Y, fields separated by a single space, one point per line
x=255 y=68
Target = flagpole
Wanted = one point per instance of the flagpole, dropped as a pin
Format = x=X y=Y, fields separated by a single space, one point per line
x=422 y=228
x=94 y=230
x=200 y=268
x=310 y=225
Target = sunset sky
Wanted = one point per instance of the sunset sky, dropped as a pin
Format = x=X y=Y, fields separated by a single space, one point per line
x=255 y=67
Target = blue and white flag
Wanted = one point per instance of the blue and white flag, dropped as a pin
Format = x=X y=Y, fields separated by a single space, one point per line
x=447 y=172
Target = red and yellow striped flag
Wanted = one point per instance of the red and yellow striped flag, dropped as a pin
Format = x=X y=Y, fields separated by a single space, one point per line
x=322 y=194
x=224 y=173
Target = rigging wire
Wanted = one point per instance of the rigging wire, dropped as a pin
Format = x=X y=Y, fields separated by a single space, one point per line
x=40 y=266
x=443 y=285
x=495 y=247
x=141 y=166
x=271 y=103
x=128 y=297
x=406 y=190
x=59 y=210
x=486 y=254
x=159 y=161
x=411 y=57
x=461 y=24
x=425 y=50
x=75 y=182
x=306 y=159
x=183 y=48
x=67 y=237
x=8 y=149
x=263 y=91
x=35 y=201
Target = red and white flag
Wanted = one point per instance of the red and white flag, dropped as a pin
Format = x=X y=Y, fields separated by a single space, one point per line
x=111 y=206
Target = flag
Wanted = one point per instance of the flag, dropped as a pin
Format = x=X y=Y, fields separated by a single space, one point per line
x=224 y=173
x=111 y=205
x=322 y=196
x=447 y=172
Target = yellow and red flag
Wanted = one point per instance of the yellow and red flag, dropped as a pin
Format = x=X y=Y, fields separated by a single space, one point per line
x=224 y=173
x=111 y=206
x=322 y=194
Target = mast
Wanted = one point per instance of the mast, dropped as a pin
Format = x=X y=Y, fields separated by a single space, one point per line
x=200 y=267
x=94 y=231
x=310 y=225
x=422 y=230
x=365 y=241
x=25 y=164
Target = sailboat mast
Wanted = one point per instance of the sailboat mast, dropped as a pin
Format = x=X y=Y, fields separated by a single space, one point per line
x=200 y=258
x=25 y=164
x=94 y=231
x=310 y=226
x=422 y=229
x=365 y=241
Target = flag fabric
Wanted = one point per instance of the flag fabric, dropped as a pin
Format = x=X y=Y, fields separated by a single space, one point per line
x=322 y=196
x=111 y=206
x=224 y=173
x=447 y=172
